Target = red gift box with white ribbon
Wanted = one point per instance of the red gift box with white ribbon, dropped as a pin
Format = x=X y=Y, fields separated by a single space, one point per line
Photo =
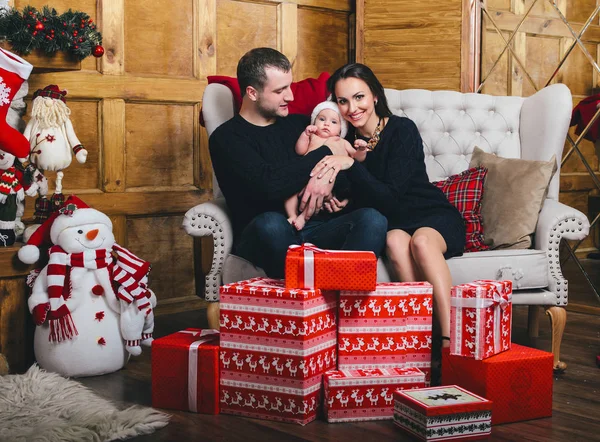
x=185 y=371
x=275 y=345
x=481 y=318
x=307 y=266
x=388 y=327
x=364 y=395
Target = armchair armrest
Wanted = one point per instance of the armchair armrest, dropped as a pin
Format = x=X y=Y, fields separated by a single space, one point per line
x=558 y=221
x=212 y=219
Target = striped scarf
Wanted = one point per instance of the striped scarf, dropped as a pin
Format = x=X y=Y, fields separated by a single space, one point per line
x=60 y=262
x=9 y=181
x=128 y=271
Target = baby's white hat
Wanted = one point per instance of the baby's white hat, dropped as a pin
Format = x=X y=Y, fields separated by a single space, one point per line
x=334 y=107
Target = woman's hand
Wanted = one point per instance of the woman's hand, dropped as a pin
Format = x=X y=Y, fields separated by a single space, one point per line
x=331 y=165
x=334 y=205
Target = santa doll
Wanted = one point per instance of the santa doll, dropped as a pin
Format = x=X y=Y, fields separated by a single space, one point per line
x=52 y=142
x=82 y=327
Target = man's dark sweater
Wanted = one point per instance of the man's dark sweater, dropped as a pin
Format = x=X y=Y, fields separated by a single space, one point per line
x=257 y=167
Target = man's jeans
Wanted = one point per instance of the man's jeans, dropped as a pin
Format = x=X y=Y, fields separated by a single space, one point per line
x=265 y=241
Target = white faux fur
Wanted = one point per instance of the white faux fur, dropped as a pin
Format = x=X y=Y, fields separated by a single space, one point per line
x=46 y=407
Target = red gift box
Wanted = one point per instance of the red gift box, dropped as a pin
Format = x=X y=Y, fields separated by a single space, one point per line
x=185 y=371
x=275 y=345
x=307 y=266
x=385 y=328
x=443 y=413
x=364 y=395
x=518 y=381
x=480 y=318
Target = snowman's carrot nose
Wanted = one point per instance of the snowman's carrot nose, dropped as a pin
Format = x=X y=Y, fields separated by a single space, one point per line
x=92 y=234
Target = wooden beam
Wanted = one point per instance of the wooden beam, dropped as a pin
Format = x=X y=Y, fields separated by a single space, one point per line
x=112 y=130
x=287 y=31
x=119 y=223
x=548 y=27
x=93 y=85
x=205 y=41
x=360 y=31
x=470 y=50
x=111 y=16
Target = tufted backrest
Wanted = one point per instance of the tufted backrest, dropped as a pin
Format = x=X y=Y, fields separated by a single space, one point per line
x=452 y=124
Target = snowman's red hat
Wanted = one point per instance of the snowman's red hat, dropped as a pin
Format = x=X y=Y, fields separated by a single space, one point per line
x=74 y=212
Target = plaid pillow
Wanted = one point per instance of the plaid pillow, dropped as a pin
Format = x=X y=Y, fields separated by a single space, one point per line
x=465 y=191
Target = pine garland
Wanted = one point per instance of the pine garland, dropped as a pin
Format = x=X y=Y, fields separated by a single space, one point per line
x=73 y=32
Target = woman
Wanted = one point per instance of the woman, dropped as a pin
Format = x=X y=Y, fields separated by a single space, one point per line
x=424 y=229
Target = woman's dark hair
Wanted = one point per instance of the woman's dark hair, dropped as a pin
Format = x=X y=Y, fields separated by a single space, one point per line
x=364 y=73
x=251 y=67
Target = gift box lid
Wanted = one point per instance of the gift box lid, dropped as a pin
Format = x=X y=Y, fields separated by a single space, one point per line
x=482 y=288
x=185 y=338
x=374 y=376
x=436 y=401
x=394 y=289
x=518 y=352
x=268 y=287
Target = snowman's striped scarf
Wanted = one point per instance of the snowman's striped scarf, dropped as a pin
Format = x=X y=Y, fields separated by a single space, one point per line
x=129 y=270
x=61 y=323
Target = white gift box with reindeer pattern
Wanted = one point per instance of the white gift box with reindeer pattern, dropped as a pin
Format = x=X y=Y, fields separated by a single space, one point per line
x=389 y=327
x=276 y=343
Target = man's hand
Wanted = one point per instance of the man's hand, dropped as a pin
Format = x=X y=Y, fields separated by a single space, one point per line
x=313 y=195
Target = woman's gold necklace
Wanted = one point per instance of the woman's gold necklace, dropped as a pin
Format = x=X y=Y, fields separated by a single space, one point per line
x=374 y=138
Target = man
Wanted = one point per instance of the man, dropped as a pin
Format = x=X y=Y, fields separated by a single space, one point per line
x=257 y=169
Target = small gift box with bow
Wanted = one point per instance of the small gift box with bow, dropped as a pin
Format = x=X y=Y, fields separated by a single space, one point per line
x=481 y=318
x=185 y=371
x=307 y=266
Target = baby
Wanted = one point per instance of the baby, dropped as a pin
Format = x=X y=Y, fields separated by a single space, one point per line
x=326 y=122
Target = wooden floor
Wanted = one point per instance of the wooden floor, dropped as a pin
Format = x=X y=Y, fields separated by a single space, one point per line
x=576 y=394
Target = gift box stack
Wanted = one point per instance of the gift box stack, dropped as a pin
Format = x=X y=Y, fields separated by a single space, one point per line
x=387 y=327
x=276 y=343
x=517 y=379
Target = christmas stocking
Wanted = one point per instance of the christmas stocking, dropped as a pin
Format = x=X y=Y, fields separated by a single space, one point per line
x=13 y=72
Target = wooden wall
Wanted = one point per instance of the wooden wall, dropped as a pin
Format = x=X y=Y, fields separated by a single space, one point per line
x=540 y=45
x=411 y=43
x=137 y=110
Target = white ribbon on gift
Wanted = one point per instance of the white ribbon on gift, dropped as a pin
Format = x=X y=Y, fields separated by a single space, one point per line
x=309 y=263
x=496 y=300
x=206 y=335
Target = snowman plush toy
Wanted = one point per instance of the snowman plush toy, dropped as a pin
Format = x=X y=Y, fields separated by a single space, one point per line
x=83 y=327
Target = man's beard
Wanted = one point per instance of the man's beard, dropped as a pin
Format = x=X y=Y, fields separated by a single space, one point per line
x=269 y=113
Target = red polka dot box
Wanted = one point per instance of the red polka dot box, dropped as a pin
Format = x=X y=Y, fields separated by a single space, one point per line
x=307 y=266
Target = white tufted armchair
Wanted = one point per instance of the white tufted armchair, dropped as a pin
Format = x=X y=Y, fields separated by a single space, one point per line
x=451 y=124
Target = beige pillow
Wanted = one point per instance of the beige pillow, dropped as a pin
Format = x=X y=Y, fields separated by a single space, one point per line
x=513 y=194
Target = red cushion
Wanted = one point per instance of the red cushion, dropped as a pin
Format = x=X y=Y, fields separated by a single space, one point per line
x=307 y=93
x=465 y=191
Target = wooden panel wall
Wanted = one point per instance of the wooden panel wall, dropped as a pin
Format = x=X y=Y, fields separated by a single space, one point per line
x=137 y=112
x=410 y=43
x=542 y=41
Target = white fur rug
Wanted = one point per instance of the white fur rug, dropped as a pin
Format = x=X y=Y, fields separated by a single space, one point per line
x=39 y=406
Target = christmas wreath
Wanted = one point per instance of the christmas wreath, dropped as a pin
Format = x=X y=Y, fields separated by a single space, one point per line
x=73 y=32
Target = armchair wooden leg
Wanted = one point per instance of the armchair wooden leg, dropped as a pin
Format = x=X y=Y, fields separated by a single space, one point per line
x=558 y=319
x=533 y=321
x=212 y=312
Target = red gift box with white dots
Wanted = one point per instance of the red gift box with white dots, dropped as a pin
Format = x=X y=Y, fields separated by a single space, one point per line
x=388 y=327
x=366 y=395
x=275 y=345
x=307 y=266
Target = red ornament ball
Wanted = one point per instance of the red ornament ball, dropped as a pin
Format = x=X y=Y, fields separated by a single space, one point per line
x=75 y=33
x=98 y=51
x=39 y=26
